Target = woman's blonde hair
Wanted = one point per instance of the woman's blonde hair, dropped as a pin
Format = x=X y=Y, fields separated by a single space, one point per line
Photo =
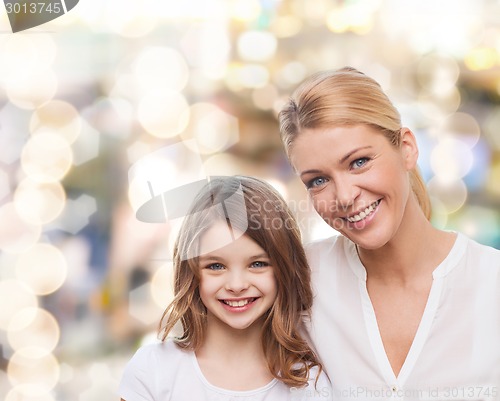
x=346 y=97
x=253 y=207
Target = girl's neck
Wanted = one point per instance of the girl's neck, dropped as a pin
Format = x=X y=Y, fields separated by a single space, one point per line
x=234 y=359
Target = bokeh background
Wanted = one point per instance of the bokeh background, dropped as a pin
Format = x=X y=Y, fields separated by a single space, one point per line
x=114 y=84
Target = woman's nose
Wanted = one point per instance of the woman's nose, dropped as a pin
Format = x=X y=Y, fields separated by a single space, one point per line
x=345 y=193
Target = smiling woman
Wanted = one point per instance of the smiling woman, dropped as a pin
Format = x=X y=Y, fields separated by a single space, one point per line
x=403 y=310
x=242 y=290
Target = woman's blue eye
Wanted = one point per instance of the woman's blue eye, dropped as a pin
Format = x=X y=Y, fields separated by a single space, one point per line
x=316 y=182
x=358 y=163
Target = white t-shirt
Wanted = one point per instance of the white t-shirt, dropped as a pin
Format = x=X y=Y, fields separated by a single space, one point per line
x=456 y=351
x=164 y=372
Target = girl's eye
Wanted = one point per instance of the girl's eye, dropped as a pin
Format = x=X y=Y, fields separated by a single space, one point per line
x=316 y=182
x=358 y=163
x=215 y=266
x=259 y=264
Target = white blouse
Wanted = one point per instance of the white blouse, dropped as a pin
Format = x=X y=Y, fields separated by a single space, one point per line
x=455 y=354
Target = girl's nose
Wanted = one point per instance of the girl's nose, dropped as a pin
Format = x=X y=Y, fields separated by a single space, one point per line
x=237 y=281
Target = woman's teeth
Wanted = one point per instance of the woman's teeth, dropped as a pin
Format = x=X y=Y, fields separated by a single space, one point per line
x=361 y=215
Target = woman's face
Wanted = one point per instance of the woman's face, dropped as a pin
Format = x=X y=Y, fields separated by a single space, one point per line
x=357 y=180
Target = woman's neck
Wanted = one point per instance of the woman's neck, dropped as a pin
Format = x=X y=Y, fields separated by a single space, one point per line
x=413 y=253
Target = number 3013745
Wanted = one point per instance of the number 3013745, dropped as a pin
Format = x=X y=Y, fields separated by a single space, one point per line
x=33 y=8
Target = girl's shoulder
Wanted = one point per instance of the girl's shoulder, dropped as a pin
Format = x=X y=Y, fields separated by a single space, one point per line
x=160 y=352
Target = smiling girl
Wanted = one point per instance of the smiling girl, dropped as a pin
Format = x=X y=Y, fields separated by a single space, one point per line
x=242 y=290
x=403 y=310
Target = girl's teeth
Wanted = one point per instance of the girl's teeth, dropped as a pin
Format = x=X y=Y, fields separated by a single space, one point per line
x=363 y=214
x=240 y=303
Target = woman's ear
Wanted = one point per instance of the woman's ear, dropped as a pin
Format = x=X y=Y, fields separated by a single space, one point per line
x=409 y=148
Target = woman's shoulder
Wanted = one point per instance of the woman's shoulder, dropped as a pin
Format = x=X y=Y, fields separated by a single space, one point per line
x=327 y=249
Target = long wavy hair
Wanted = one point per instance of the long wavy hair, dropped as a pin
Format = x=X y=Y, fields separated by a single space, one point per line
x=346 y=97
x=253 y=207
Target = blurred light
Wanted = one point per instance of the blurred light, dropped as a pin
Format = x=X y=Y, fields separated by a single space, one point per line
x=192 y=10
x=46 y=157
x=43 y=268
x=244 y=10
x=17 y=296
x=491 y=127
x=493 y=179
x=437 y=107
x=207 y=46
x=163 y=114
x=462 y=126
x=160 y=68
x=142 y=306
x=162 y=286
x=451 y=159
x=481 y=59
x=113 y=116
x=57 y=117
x=212 y=129
x=86 y=146
x=479 y=223
x=286 y=26
x=356 y=18
x=439 y=216
x=155 y=178
x=264 y=97
x=257 y=46
x=37 y=371
x=24 y=55
x=251 y=76
x=26 y=392
x=452 y=195
x=292 y=74
x=16 y=235
x=4 y=185
x=279 y=186
x=437 y=73
x=39 y=203
x=29 y=321
x=14 y=132
x=137 y=150
x=32 y=90
x=476 y=178
x=223 y=164
x=76 y=214
x=130 y=18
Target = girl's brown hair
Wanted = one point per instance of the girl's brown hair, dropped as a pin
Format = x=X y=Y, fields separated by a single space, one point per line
x=253 y=207
x=346 y=97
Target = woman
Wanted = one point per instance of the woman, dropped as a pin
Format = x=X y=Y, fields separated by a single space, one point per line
x=402 y=309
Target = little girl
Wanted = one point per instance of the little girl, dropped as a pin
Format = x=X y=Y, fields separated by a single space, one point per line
x=242 y=290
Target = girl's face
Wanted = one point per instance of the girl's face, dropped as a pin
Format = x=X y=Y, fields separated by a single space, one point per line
x=237 y=283
x=357 y=180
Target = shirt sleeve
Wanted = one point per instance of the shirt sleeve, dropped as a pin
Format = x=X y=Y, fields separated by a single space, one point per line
x=137 y=383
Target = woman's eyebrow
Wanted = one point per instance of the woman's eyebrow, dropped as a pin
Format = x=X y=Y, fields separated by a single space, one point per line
x=348 y=155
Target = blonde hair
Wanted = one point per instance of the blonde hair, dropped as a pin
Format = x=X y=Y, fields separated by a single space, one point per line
x=268 y=221
x=346 y=97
